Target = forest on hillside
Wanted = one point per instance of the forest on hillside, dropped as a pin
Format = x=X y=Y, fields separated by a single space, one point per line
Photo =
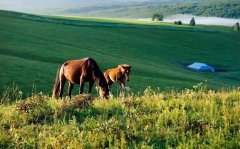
x=226 y=9
x=220 y=8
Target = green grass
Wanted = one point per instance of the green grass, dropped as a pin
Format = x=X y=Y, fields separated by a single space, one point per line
x=193 y=118
x=32 y=48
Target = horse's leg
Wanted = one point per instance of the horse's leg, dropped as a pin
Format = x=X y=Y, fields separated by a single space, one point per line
x=81 y=85
x=122 y=90
x=70 y=87
x=90 y=86
x=62 y=82
x=109 y=83
x=110 y=87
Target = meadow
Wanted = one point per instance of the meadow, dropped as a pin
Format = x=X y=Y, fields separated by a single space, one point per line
x=175 y=112
x=194 y=118
x=33 y=47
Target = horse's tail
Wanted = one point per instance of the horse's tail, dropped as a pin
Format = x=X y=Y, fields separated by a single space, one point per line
x=56 y=84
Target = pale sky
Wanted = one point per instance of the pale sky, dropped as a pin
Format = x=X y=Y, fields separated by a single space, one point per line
x=26 y=5
x=38 y=5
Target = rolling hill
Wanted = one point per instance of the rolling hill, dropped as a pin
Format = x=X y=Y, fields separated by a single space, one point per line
x=32 y=47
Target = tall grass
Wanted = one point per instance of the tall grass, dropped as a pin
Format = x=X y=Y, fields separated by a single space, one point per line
x=10 y=94
x=193 y=118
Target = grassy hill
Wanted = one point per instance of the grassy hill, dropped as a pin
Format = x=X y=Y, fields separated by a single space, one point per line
x=33 y=47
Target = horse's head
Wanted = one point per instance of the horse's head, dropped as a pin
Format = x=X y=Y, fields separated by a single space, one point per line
x=125 y=69
x=103 y=89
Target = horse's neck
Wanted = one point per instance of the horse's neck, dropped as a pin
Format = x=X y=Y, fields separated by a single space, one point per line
x=97 y=75
x=119 y=71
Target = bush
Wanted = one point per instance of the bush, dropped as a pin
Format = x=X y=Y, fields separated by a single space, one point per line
x=192 y=22
x=157 y=17
x=236 y=27
x=178 y=22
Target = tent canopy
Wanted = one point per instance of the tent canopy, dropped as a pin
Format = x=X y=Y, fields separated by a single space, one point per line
x=201 y=67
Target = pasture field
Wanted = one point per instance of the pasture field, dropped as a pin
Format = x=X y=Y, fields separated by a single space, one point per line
x=193 y=118
x=33 y=47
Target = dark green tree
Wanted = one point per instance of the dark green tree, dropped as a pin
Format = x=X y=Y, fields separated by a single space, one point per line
x=158 y=17
x=179 y=22
x=192 y=22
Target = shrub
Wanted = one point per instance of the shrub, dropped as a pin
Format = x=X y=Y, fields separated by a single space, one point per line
x=157 y=17
x=178 y=22
x=236 y=27
x=192 y=22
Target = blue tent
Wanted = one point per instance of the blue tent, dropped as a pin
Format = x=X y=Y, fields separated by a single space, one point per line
x=201 y=67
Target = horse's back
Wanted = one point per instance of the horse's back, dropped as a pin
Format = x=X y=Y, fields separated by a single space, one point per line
x=106 y=75
x=112 y=74
x=72 y=70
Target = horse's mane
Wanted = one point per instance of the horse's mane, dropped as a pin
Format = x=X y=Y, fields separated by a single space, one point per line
x=96 y=70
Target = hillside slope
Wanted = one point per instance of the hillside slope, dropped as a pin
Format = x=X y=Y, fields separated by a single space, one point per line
x=33 y=47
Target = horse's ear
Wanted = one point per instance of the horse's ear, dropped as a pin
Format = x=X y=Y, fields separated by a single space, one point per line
x=130 y=66
x=120 y=66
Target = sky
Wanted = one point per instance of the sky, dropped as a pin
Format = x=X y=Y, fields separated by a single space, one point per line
x=40 y=5
x=31 y=5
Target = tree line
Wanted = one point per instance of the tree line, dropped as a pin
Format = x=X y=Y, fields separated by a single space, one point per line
x=226 y=9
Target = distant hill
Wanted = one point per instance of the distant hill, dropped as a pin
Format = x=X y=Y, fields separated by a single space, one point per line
x=223 y=8
x=127 y=8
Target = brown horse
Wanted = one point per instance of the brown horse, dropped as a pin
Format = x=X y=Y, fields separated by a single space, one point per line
x=119 y=75
x=79 y=72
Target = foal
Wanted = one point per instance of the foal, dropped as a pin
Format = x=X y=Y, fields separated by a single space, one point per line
x=119 y=75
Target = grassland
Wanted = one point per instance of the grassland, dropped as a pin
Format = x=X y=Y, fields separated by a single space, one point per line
x=193 y=118
x=32 y=48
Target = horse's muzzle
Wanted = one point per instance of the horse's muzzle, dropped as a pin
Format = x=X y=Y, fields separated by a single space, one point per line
x=106 y=97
